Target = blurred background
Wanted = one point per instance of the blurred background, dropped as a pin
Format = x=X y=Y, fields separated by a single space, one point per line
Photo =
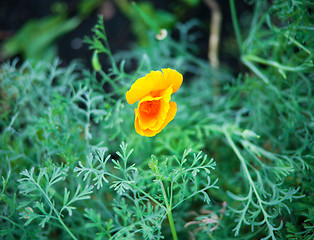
x=45 y=29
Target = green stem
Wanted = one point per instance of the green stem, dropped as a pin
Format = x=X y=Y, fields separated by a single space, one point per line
x=298 y=44
x=149 y=196
x=169 y=213
x=248 y=175
x=236 y=24
x=66 y=228
x=53 y=208
x=253 y=58
x=255 y=70
x=147 y=19
x=242 y=160
x=109 y=53
x=113 y=84
x=171 y=222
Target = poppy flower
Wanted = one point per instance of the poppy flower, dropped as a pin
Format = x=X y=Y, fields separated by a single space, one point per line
x=153 y=92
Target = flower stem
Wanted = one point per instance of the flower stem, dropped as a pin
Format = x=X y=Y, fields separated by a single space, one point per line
x=169 y=213
x=236 y=24
x=171 y=222
x=66 y=228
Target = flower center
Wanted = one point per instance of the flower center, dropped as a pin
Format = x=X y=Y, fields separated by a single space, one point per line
x=150 y=107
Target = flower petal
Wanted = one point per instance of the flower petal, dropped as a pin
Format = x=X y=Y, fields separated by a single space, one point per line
x=154 y=91
x=147 y=120
x=138 y=129
x=164 y=108
x=150 y=133
x=171 y=114
x=153 y=81
x=174 y=78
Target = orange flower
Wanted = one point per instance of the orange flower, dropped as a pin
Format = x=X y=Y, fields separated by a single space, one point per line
x=154 y=91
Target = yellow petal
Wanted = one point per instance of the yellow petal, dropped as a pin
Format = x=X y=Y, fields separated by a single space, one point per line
x=174 y=78
x=164 y=108
x=136 y=124
x=154 y=82
x=171 y=114
x=149 y=133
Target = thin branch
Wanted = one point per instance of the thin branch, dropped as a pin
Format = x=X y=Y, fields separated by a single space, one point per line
x=214 y=36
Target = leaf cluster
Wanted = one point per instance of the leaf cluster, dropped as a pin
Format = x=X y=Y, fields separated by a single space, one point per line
x=140 y=208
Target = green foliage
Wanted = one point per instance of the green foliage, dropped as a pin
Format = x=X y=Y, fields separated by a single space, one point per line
x=41 y=35
x=280 y=55
x=60 y=128
x=42 y=187
x=145 y=17
x=141 y=205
